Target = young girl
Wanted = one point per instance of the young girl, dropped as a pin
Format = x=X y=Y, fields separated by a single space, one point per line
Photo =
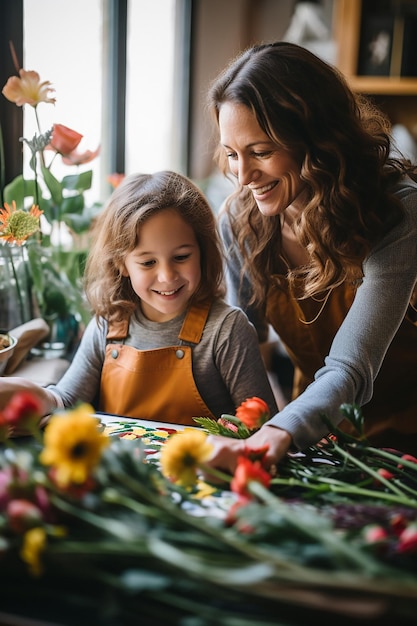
x=322 y=232
x=162 y=345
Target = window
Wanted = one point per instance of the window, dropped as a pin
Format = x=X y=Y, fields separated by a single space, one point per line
x=66 y=44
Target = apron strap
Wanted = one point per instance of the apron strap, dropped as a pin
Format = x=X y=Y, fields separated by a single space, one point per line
x=118 y=329
x=194 y=322
x=191 y=330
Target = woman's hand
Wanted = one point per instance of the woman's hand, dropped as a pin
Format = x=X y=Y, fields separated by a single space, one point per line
x=227 y=450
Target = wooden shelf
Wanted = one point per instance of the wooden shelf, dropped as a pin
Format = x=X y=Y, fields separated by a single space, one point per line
x=390 y=86
x=397 y=95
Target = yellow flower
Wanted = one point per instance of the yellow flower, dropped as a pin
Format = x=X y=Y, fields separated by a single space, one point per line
x=16 y=225
x=182 y=455
x=34 y=543
x=27 y=89
x=73 y=445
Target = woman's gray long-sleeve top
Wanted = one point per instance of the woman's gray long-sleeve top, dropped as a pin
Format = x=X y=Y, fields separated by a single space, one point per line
x=359 y=346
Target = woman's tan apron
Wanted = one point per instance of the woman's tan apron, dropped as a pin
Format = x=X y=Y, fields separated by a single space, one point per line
x=307 y=328
x=154 y=384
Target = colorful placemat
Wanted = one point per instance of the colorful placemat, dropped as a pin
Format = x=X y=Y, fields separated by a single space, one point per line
x=206 y=499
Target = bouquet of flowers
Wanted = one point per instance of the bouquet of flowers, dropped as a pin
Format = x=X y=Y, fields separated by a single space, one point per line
x=93 y=530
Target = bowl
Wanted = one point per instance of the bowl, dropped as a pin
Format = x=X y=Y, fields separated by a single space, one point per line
x=6 y=353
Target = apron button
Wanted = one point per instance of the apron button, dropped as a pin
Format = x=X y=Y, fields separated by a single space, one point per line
x=179 y=354
x=115 y=354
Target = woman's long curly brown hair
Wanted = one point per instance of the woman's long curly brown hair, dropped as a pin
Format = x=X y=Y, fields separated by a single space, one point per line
x=117 y=231
x=342 y=143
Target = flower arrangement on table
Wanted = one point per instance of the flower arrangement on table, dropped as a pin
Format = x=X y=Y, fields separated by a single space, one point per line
x=55 y=267
x=90 y=527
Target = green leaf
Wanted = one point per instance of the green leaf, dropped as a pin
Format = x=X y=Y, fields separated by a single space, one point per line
x=72 y=204
x=78 y=182
x=19 y=189
x=354 y=415
x=53 y=185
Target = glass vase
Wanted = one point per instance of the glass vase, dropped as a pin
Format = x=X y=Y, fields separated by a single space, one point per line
x=15 y=292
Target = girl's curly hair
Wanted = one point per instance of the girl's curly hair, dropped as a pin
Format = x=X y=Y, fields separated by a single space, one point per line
x=117 y=231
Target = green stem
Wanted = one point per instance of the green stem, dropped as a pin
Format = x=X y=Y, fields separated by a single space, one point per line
x=329 y=539
x=387 y=483
x=393 y=457
x=336 y=486
x=16 y=279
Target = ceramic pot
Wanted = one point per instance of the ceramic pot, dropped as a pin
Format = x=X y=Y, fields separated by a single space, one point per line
x=6 y=353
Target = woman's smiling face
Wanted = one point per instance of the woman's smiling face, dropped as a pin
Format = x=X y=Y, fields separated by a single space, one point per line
x=271 y=174
x=164 y=268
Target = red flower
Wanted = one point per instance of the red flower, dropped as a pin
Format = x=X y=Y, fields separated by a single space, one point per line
x=64 y=140
x=253 y=412
x=398 y=523
x=23 y=410
x=407 y=457
x=246 y=472
x=407 y=541
x=256 y=454
x=4 y=428
x=384 y=473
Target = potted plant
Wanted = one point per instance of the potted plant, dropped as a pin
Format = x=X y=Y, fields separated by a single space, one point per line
x=55 y=256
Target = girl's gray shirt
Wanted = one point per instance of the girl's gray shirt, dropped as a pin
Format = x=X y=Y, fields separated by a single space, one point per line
x=360 y=345
x=227 y=363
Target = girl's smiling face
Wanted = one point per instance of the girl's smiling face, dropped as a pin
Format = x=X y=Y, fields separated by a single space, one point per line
x=164 y=268
x=271 y=174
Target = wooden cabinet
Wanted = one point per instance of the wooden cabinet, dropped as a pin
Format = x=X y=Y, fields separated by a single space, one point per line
x=396 y=95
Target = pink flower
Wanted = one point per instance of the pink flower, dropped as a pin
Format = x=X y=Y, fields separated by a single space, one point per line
x=253 y=412
x=226 y=424
x=80 y=158
x=23 y=515
x=375 y=534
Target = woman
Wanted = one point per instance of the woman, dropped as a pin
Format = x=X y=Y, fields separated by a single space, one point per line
x=322 y=244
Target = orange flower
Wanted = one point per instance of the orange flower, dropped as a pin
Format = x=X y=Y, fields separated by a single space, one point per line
x=246 y=472
x=17 y=225
x=115 y=179
x=27 y=89
x=64 y=140
x=253 y=412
